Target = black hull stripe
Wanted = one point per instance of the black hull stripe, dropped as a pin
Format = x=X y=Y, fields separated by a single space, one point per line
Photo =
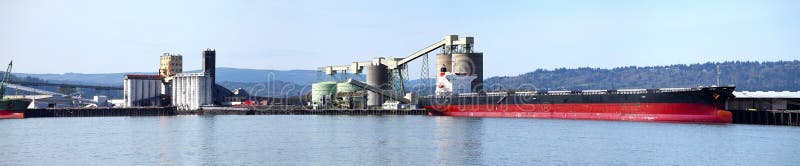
x=704 y=96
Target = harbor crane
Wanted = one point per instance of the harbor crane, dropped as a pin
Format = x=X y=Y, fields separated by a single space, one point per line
x=6 y=78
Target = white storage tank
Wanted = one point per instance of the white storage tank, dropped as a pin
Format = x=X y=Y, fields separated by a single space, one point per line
x=142 y=90
x=192 y=90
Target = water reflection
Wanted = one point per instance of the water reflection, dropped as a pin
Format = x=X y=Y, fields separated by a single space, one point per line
x=187 y=140
x=459 y=141
x=208 y=138
x=165 y=140
x=386 y=140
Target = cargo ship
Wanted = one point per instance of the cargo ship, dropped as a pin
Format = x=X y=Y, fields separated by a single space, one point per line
x=454 y=97
x=11 y=108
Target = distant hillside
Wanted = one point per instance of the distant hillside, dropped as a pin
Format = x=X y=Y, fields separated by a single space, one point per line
x=109 y=79
x=749 y=76
x=259 y=75
x=87 y=93
x=269 y=89
x=231 y=78
x=15 y=77
x=224 y=74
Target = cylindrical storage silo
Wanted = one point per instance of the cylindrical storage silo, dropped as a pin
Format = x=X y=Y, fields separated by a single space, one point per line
x=445 y=60
x=348 y=93
x=322 y=89
x=470 y=63
x=347 y=88
x=377 y=76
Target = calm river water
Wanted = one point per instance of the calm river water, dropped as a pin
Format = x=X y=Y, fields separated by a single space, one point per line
x=387 y=140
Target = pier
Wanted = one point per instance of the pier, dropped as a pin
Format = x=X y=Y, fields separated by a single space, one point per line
x=99 y=112
x=299 y=111
x=765 y=108
x=171 y=111
x=773 y=117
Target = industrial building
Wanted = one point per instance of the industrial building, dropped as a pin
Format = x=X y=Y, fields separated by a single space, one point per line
x=210 y=63
x=101 y=101
x=770 y=107
x=172 y=87
x=350 y=96
x=384 y=86
x=143 y=90
x=239 y=97
x=322 y=91
x=171 y=64
x=47 y=101
x=764 y=101
x=192 y=90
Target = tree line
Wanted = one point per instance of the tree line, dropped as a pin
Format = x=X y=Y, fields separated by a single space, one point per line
x=745 y=75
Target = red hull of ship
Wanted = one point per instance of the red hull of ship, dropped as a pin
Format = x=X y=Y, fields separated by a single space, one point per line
x=654 y=112
x=5 y=114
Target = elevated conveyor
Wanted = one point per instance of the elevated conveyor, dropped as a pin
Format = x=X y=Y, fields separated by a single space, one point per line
x=387 y=93
x=449 y=44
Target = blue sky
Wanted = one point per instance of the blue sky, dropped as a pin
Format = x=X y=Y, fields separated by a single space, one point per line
x=54 y=36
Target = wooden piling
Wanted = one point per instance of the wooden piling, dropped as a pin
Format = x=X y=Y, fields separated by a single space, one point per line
x=771 y=117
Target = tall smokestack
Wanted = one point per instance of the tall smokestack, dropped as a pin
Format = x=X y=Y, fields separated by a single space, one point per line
x=209 y=69
x=209 y=63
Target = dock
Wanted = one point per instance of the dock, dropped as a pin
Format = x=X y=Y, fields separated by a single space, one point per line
x=768 y=117
x=99 y=112
x=171 y=111
x=765 y=108
x=299 y=111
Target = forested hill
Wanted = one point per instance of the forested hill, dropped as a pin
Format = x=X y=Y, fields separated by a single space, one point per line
x=746 y=76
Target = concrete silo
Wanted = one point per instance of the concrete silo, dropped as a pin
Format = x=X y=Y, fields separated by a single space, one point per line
x=377 y=76
x=471 y=64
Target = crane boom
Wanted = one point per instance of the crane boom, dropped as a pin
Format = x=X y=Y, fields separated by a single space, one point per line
x=6 y=78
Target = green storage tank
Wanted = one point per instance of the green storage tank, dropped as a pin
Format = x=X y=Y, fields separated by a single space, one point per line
x=321 y=89
x=347 y=87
